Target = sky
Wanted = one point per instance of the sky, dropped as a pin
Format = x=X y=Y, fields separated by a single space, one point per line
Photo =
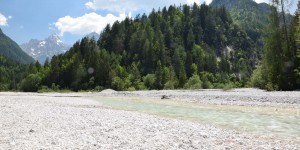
x=23 y=20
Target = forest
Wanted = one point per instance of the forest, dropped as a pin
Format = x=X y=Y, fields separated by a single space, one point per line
x=176 y=47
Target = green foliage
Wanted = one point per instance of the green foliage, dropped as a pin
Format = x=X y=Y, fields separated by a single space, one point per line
x=45 y=89
x=4 y=87
x=171 y=81
x=11 y=49
x=99 y=88
x=149 y=81
x=256 y=79
x=229 y=86
x=277 y=71
x=194 y=82
x=118 y=84
x=297 y=60
x=11 y=73
x=31 y=83
x=207 y=79
x=54 y=87
x=251 y=16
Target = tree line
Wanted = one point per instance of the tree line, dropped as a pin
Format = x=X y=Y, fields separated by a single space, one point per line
x=280 y=68
x=177 y=47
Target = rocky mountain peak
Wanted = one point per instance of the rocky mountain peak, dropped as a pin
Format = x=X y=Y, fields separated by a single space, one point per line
x=42 y=49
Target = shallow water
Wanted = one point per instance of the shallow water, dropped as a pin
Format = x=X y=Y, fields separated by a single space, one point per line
x=261 y=120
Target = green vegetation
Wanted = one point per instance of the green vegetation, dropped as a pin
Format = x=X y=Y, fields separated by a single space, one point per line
x=251 y=17
x=11 y=50
x=31 y=83
x=280 y=66
x=11 y=73
x=168 y=49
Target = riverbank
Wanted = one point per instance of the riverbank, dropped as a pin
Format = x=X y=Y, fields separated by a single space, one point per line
x=241 y=97
x=78 y=121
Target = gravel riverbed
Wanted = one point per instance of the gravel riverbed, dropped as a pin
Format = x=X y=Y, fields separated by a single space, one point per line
x=247 y=96
x=76 y=121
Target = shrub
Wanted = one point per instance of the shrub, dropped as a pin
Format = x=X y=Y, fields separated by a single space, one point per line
x=31 y=83
x=55 y=87
x=170 y=85
x=4 y=87
x=99 y=88
x=271 y=87
x=149 y=81
x=45 y=89
x=194 y=82
x=131 y=89
x=257 y=79
x=140 y=86
x=206 y=83
x=118 y=84
x=229 y=86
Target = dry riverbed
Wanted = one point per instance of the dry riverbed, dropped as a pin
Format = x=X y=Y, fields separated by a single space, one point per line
x=80 y=121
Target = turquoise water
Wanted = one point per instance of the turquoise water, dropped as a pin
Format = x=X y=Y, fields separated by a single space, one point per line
x=282 y=124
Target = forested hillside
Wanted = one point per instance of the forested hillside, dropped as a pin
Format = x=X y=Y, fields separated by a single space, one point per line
x=280 y=67
x=11 y=73
x=177 y=47
x=11 y=50
x=250 y=16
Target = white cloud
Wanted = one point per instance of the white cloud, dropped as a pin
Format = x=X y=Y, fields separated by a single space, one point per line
x=262 y=1
x=87 y=23
x=3 y=20
x=122 y=6
x=190 y=2
x=10 y=17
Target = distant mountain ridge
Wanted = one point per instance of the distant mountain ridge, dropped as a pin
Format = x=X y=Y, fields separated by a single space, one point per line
x=94 y=35
x=11 y=50
x=42 y=49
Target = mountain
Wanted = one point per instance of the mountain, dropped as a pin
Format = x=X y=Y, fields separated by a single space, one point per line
x=42 y=49
x=251 y=16
x=11 y=50
x=93 y=35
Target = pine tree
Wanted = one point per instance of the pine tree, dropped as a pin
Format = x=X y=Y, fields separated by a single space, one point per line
x=297 y=62
x=273 y=63
x=278 y=61
x=46 y=64
x=159 y=76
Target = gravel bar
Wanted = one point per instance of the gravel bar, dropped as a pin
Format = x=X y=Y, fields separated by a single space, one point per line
x=75 y=121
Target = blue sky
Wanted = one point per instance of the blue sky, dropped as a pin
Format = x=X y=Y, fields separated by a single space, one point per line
x=23 y=20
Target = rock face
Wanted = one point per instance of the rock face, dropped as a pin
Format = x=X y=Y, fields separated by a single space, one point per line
x=42 y=49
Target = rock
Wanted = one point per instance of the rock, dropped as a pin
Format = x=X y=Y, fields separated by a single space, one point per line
x=165 y=97
x=108 y=91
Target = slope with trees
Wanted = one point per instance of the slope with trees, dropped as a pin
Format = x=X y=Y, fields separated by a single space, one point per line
x=11 y=73
x=11 y=50
x=250 y=16
x=280 y=65
x=194 y=46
